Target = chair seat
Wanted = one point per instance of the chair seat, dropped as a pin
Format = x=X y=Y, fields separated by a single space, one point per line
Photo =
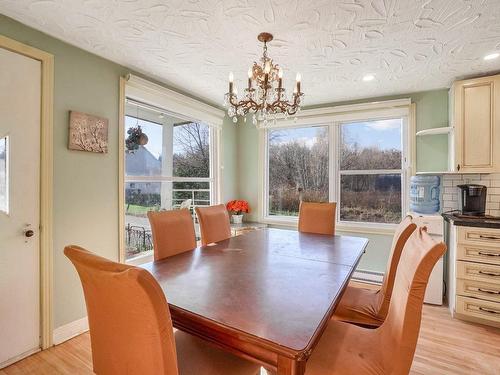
x=359 y=306
x=346 y=349
x=196 y=356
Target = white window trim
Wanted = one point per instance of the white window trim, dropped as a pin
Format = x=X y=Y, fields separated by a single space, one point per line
x=333 y=117
x=144 y=91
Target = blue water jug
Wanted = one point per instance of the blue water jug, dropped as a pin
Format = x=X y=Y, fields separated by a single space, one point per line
x=424 y=194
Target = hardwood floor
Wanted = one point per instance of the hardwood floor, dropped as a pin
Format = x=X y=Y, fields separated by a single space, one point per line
x=446 y=347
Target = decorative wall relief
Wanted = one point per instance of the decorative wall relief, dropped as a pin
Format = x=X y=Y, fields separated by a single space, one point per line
x=88 y=132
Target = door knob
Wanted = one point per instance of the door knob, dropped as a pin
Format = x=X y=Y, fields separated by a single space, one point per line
x=29 y=233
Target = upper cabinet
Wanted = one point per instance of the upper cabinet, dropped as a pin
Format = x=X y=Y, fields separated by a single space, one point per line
x=475 y=118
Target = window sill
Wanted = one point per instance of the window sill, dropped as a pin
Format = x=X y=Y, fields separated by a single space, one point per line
x=345 y=227
x=140 y=259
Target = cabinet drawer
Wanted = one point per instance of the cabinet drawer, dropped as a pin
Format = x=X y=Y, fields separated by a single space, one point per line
x=479 y=236
x=479 y=309
x=478 y=289
x=487 y=273
x=482 y=254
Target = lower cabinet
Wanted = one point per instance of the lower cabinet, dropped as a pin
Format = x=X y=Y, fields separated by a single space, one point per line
x=477 y=275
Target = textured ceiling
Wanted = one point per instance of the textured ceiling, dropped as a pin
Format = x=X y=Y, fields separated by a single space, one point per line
x=409 y=45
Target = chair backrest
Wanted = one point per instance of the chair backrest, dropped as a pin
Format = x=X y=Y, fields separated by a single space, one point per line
x=173 y=232
x=130 y=326
x=401 y=235
x=214 y=223
x=399 y=332
x=317 y=217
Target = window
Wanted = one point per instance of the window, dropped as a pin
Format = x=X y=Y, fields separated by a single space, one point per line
x=4 y=175
x=298 y=168
x=357 y=159
x=370 y=171
x=172 y=168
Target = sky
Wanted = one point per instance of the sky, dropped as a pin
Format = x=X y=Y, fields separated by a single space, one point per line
x=384 y=134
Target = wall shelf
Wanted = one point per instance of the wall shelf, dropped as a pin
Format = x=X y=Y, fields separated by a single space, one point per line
x=435 y=131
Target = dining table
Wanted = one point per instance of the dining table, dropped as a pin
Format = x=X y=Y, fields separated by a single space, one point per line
x=265 y=296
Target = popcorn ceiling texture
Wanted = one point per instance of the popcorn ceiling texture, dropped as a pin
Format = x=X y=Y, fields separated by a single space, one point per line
x=409 y=45
x=450 y=192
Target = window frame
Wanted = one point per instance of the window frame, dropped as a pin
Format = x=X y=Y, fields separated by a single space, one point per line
x=291 y=219
x=211 y=179
x=155 y=95
x=403 y=171
x=333 y=117
x=6 y=138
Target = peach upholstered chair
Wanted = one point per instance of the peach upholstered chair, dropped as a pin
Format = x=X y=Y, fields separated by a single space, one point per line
x=173 y=232
x=214 y=223
x=369 y=307
x=131 y=329
x=347 y=349
x=317 y=218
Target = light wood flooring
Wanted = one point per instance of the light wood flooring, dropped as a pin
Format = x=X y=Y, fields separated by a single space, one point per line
x=445 y=347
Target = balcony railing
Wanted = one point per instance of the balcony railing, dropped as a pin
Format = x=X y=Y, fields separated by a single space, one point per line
x=138 y=237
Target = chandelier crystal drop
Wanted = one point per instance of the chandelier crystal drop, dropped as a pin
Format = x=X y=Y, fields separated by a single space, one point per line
x=265 y=95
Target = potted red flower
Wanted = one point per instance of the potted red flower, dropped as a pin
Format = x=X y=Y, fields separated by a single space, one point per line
x=237 y=208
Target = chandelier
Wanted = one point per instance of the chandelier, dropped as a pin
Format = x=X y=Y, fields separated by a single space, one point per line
x=265 y=95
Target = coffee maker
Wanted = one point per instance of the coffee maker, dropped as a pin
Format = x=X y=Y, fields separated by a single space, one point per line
x=472 y=199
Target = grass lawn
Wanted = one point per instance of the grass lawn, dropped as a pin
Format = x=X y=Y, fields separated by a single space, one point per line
x=134 y=209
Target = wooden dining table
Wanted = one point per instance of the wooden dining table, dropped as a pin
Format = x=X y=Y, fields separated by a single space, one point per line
x=266 y=296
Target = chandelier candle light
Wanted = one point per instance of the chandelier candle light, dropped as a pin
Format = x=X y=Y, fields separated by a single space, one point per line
x=265 y=96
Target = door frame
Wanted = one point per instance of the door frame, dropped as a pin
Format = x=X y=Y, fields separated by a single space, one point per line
x=46 y=178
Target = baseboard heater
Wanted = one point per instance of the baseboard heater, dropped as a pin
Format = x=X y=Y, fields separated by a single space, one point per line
x=365 y=276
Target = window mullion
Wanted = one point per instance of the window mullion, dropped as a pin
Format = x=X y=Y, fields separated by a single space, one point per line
x=371 y=171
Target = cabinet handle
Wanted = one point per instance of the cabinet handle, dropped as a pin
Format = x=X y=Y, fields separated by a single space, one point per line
x=489 y=273
x=488 y=291
x=458 y=167
x=489 y=254
x=489 y=237
x=489 y=310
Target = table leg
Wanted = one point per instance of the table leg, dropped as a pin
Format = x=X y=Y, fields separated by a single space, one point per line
x=288 y=366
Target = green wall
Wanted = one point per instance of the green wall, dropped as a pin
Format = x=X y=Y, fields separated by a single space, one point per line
x=431 y=112
x=86 y=184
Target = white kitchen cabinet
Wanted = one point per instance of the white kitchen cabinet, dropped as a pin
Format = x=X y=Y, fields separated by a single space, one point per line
x=474 y=274
x=475 y=118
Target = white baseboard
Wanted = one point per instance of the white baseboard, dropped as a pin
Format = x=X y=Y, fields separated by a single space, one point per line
x=70 y=330
x=368 y=276
x=19 y=357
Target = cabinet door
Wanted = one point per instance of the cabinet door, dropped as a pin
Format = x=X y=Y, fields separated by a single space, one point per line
x=477 y=124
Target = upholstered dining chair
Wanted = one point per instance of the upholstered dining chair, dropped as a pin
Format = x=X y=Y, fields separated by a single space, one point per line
x=214 y=224
x=369 y=307
x=173 y=232
x=130 y=326
x=317 y=217
x=347 y=349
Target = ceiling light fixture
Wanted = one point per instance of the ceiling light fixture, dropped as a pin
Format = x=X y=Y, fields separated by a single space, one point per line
x=265 y=95
x=368 y=77
x=491 y=56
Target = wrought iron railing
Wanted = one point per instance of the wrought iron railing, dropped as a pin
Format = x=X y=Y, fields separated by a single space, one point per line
x=137 y=239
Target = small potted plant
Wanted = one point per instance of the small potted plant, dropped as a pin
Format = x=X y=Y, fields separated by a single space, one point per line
x=237 y=208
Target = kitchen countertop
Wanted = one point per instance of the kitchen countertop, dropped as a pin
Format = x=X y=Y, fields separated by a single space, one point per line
x=471 y=222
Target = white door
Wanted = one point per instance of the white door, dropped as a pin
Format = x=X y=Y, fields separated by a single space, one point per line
x=20 y=100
